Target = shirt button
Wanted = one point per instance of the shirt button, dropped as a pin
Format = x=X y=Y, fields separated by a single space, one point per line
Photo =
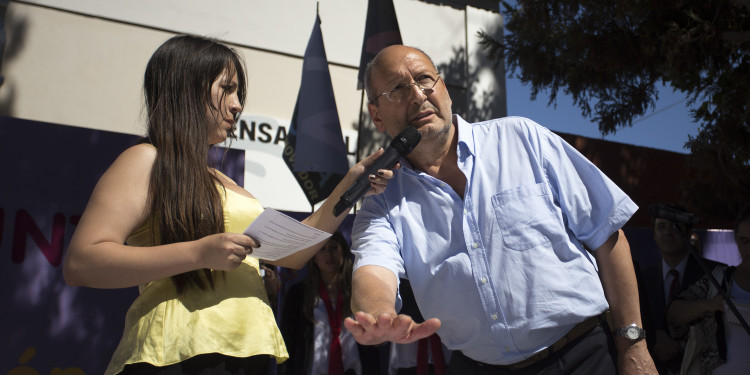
x=507 y=349
x=475 y=245
x=466 y=211
x=484 y=280
x=494 y=316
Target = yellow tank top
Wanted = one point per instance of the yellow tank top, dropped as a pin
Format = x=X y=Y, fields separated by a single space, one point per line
x=234 y=319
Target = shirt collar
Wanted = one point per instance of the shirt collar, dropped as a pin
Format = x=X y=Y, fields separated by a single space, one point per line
x=465 y=136
x=680 y=268
x=465 y=142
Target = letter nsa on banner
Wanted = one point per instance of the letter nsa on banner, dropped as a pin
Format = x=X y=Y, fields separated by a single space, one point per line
x=266 y=174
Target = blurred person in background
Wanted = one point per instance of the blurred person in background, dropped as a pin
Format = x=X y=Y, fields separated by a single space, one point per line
x=664 y=281
x=313 y=316
x=722 y=345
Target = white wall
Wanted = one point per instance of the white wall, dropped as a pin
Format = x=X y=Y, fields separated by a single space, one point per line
x=81 y=62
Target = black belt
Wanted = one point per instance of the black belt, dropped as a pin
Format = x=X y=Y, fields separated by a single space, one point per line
x=576 y=332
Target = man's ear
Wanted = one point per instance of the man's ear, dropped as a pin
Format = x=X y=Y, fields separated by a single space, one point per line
x=375 y=116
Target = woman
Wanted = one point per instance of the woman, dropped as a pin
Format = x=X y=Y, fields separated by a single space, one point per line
x=313 y=306
x=202 y=304
x=725 y=343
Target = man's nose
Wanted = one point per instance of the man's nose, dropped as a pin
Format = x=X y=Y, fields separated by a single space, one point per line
x=420 y=95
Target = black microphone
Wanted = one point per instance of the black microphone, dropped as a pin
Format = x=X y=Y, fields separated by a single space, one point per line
x=673 y=214
x=401 y=145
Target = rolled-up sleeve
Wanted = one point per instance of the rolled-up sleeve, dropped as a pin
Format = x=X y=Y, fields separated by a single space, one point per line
x=374 y=243
x=592 y=204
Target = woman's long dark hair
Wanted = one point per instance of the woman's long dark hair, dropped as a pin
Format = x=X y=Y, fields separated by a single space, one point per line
x=343 y=278
x=183 y=197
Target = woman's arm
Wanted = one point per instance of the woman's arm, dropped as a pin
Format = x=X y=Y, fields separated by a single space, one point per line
x=324 y=219
x=97 y=256
x=681 y=311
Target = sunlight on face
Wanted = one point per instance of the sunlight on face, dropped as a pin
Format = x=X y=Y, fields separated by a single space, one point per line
x=225 y=105
x=428 y=111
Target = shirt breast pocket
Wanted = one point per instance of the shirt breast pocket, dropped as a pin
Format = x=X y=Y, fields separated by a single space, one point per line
x=525 y=216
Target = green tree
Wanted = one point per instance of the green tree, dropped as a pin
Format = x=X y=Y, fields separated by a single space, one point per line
x=610 y=55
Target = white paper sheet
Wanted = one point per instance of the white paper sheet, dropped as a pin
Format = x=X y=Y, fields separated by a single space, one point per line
x=281 y=235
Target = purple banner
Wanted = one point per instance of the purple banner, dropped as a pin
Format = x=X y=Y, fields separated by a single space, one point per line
x=47 y=326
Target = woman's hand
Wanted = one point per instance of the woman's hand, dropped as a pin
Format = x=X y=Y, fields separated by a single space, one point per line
x=224 y=251
x=378 y=181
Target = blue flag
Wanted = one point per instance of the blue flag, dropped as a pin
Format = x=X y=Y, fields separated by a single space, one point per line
x=315 y=151
x=381 y=30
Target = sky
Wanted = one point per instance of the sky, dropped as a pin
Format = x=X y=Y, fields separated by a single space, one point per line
x=665 y=127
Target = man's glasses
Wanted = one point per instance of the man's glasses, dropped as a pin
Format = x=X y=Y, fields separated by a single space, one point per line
x=425 y=82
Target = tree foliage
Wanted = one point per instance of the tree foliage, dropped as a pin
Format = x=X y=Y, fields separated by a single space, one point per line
x=610 y=55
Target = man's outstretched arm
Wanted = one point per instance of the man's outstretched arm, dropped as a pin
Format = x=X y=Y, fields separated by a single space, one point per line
x=375 y=318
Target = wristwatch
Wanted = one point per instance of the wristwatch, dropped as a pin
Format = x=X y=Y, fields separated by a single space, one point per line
x=631 y=332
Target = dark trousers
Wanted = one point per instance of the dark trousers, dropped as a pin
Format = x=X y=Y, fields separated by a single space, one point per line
x=205 y=364
x=589 y=354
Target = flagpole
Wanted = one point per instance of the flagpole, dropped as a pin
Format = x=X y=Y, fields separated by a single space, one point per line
x=359 y=130
x=317 y=13
x=359 y=133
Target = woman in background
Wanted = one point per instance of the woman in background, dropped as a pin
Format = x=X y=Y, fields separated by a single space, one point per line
x=313 y=314
x=163 y=219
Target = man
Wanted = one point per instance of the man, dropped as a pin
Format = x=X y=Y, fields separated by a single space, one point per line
x=490 y=223
x=664 y=280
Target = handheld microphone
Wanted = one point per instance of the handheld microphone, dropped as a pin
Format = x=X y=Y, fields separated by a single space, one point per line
x=401 y=145
x=672 y=214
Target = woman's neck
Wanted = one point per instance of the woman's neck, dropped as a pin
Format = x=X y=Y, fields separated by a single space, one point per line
x=328 y=278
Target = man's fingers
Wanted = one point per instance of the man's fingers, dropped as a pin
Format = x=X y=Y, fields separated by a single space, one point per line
x=353 y=326
x=385 y=320
x=368 y=330
x=402 y=326
x=364 y=329
x=426 y=328
x=366 y=320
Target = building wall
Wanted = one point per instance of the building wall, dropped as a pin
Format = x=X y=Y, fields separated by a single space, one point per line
x=81 y=62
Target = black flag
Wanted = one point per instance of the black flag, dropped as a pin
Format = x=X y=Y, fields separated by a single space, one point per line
x=381 y=30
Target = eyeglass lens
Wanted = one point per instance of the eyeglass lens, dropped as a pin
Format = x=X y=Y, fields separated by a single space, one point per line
x=425 y=83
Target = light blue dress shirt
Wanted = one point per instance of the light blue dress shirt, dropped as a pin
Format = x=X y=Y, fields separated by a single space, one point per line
x=505 y=268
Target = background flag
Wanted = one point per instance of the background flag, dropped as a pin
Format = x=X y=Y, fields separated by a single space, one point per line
x=381 y=30
x=315 y=151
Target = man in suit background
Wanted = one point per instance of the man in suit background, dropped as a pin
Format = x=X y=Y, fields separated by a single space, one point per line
x=662 y=281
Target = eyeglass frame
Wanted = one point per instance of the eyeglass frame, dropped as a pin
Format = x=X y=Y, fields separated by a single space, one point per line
x=413 y=83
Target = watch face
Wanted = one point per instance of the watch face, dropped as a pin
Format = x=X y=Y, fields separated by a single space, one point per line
x=631 y=333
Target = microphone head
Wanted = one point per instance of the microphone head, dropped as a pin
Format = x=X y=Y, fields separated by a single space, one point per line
x=405 y=141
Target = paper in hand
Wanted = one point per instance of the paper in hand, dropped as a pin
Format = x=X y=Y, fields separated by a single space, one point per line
x=280 y=235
